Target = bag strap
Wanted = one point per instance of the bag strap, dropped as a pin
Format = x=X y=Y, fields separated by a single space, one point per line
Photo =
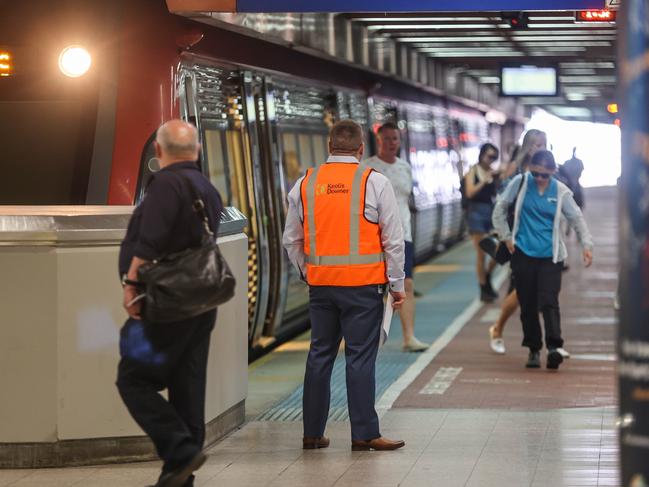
x=198 y=205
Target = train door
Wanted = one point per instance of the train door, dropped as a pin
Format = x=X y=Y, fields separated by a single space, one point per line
x=298 y=120
x=221 y=101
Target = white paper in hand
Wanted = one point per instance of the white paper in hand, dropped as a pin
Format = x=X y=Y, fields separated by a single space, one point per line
x=388 y=310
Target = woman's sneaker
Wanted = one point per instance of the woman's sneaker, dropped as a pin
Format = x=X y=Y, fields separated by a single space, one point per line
x=415 y=345
x=554 y=359
x=497 y=344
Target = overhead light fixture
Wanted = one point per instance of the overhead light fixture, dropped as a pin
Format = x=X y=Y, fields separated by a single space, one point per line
x=573 y=96
x=516 y=20
x=433 y=26
x=587 y=79
x=421 y=19
x=489 y=80
x=612 y=108
x=74 y=61
x=6 y=64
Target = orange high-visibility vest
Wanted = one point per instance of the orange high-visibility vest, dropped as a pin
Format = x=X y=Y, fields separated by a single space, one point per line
x=342 y=247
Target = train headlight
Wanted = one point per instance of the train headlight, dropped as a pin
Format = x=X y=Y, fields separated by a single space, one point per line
x=74 y=61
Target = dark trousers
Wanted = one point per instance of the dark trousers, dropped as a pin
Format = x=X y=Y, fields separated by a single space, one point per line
x=170 y=356
x=354 y=313
x=538 y=283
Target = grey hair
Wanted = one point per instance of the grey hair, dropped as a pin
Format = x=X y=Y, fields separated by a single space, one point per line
x=178 y=143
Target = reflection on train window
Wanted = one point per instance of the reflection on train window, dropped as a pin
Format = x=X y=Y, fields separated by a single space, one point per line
x=216 y=163
x=306 y=156
x=292 y=167
x=320 y=148
x=236 y=164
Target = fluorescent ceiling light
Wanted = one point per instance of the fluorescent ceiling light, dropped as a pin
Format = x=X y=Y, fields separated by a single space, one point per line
x=588 y=64
x=489 y=80
x=588 y=79
x=575 y=96
x=567 y=17
x=562 y=38
x=476 y=54
x=433 y=26
x=565 y=26
x=565 y=111
x=426 y=19
x=578 y=71
x=451 y=39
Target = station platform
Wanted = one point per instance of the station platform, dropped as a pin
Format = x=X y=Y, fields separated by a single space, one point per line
x=469 y=417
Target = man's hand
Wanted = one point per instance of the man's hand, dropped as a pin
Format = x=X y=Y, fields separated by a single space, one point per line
x=510 y=246
x=588 y=257
x=132 y=308
x=399 y=299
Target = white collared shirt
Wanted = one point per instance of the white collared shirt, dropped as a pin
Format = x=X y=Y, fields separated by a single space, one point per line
x=400 y=175
x=380 y=207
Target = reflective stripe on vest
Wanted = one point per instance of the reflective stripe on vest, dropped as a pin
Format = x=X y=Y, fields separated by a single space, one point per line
x=353 y=258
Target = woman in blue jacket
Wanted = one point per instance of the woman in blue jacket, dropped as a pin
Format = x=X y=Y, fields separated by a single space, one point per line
x=538 y=250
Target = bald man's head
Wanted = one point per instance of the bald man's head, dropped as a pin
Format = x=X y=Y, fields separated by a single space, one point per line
x=177 y=141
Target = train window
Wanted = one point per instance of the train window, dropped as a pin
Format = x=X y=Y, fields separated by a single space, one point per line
x=320 y=148
x=306 y=155
x=236 y=163
x=216 y=163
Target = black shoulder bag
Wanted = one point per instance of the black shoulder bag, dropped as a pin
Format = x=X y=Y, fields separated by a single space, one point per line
x=187 y=283
x=491 y=245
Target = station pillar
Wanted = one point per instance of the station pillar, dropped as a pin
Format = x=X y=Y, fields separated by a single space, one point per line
x=633 y=335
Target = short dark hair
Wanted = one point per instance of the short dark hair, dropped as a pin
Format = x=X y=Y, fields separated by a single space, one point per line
x=486 y=147
x=387 y=126
x=346 y=135
x=544 y=158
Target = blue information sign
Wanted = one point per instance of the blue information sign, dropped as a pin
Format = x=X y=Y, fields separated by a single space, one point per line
x=413 y=5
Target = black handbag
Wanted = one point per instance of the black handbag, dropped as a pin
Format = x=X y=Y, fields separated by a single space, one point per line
x=494 y=248
x=187 y=283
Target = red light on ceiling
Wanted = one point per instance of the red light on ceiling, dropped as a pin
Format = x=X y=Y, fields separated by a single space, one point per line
x=596 y=16
x=617 y=122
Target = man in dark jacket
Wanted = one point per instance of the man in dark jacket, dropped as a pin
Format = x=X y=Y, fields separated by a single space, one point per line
x=172 y=356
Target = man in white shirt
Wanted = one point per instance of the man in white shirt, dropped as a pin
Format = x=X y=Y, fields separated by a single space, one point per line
x=399 y=173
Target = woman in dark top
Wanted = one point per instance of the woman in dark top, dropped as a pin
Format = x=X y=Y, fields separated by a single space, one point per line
x=480 y=183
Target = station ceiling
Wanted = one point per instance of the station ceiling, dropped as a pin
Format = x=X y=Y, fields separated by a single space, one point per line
x=479 y=43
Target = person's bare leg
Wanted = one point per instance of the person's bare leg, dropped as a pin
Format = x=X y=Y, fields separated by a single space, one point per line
x=480 y=257
x=407 y=312
x=508 y=308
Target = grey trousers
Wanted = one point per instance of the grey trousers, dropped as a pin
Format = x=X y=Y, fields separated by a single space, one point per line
x=354 y=313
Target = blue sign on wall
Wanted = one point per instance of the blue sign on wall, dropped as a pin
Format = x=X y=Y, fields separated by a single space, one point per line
x=413 y=5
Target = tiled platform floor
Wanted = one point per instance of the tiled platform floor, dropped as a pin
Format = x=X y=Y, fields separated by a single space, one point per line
x=445 y=448
x=503 y=445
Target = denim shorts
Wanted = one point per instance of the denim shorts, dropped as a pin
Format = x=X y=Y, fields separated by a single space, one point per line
x=478 y=218
x=409 y=261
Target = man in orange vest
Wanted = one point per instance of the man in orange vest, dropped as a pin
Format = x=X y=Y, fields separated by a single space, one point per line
x=343 y=234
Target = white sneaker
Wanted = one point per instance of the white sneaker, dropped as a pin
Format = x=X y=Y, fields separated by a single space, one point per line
x=414 y=345
x=497 y=343
x=563 y=352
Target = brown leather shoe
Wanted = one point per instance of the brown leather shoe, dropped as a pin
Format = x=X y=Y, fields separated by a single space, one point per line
x=379 y=443
x=311 y=443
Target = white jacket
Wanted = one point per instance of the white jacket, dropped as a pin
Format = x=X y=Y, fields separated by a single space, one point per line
x=566 y=207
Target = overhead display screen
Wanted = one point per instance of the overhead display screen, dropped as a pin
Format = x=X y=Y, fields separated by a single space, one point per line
x=526 y=80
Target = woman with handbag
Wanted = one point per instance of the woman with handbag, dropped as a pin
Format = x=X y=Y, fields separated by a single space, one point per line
x=538 y=251
x=480 y=185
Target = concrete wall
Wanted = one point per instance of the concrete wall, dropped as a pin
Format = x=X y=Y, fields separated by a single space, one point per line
x=60 y=317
